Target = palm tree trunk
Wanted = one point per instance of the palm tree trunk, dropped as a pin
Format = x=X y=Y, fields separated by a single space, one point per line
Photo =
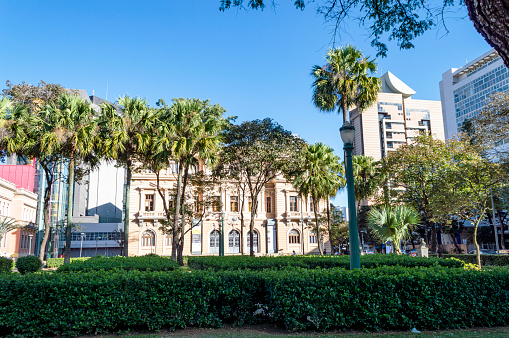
x=125 y=249
x=344 y=107
x=68 y=228
x=318 y=237
x=329 y=228
x=177 y=213
x=46 y=208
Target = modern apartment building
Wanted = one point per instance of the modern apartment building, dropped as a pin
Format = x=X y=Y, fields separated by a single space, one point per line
x=281 y=223
x=464 y=91
x=395 y=119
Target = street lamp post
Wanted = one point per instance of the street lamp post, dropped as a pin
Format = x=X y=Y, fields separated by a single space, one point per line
x=81 y=246
x=347 y=132
x=221 y=236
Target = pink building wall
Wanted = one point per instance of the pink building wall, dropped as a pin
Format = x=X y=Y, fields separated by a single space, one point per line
x=23 y=176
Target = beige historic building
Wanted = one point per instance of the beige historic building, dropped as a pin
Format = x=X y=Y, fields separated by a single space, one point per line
x=281 y=224
x=20 y=204
x=395 y=119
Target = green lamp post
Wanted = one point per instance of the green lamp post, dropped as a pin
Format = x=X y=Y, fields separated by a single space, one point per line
x=347 y=132
x=221 y=236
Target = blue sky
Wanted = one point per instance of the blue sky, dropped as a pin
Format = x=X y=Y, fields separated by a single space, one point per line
x=255 y=64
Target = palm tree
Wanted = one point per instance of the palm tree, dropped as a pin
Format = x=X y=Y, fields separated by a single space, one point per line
x=320 y=177
x=5 y=105
x=187 y=130
x=366 y=177
x=73 y=134
x=393 y=223
x=344 y=81
x=126 y=136
x=8 y=224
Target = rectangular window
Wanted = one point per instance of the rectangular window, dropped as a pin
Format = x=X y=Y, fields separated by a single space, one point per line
x=268 y=205
x=169 y=240
x=149 y=202
x=293 y=203
x=198 y=207
x=312 y=238
x=216 y=203
x=171 y=202
x=311 y=207
x=250 y=203
x=234 y=203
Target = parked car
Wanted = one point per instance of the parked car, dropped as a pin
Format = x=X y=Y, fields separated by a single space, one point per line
x=483 y=252
x=369 y=252
x=412 y=253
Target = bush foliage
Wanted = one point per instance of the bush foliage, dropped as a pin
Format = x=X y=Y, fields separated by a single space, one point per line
x=6 y=264
x=494 y=260
x=28 y=264
x=385 y=298
x=312 y=262
x=140 y=263
x=57 y=262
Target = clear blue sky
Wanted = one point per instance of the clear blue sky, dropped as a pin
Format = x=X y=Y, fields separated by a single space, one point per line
x=255 y=64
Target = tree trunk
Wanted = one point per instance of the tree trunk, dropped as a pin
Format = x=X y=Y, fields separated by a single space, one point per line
x=125 y=249
x=502 y=238
x=434 y=241
x=329 y=227
x=176 y=241
x=477 y=251
x=68 y=228
x=46 y=209
x=491 y=20
x=315 y=205
x=344 y=108
x=254 y=203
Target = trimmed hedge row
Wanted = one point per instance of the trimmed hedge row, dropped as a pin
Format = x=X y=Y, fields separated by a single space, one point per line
x=312 y=262
x=140 y=263
x=58 y=262
x=6 y=264
x=494 y=260
x=385 y=298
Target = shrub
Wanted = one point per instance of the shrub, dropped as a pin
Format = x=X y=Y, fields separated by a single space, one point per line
x=312 y=262
x=6 y=264
x=28 y=264
x=57 y=262
x=493 y=260
x=384 y=298
x=141 y=263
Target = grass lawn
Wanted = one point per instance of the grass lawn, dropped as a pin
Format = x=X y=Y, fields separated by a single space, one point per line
x=269 y=331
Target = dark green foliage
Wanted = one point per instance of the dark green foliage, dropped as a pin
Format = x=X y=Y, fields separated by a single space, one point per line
x=140 y=263
x=494 y=260
x=312 y=262
x=383 y=298
x=28 y=264
x=57 y=262
x=6 y=264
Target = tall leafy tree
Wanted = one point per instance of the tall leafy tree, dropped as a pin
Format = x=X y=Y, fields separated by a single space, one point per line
x=25 y=131
x=257 y=152
x=405 y=21
x=345 y=81
x=367 y=177
x=126 y=136
x=392 y=223
x=188 y=131
x=73 y=134
x=321 y=176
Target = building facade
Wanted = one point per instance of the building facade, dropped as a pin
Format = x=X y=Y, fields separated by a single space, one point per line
x=395 y=119
x=21 y=205
x=464 y=91
x=282 y=223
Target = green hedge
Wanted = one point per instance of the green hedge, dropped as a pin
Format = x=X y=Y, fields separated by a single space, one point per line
x=312 y=262
x=6 y=264
x=387 y=298
x=57 y=262
x=494 y=260
x=140 y=263
x=28 y=264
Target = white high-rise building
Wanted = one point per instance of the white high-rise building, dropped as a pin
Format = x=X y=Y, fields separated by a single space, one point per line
x=464 y=91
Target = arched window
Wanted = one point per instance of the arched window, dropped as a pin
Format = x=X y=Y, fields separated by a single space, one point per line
x=255 y=241
x=214 y=242
x=234 y=242
x=148 y=238
x=294 y=237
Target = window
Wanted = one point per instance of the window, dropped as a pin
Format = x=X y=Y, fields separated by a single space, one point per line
x=268 y=205
x=293 y=203
x=234 y=203
x=311 y=206
x=250 y=203
x=169 y=240
x=214 y=242
x=255 y=241
x=149 y=202
x=234 y=242
x=198 y=207
x=312 y=238
x=216 y=203
x=294 y=237
x=171 y=202
x=148 y=239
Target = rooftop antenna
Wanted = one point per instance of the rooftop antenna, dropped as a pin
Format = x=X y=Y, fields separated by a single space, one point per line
x=106 y=91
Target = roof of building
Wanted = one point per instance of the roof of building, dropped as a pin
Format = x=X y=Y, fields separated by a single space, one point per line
x=391 y=84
